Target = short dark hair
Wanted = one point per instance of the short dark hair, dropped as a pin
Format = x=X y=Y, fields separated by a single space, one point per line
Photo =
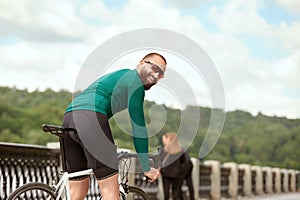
x=155 y=54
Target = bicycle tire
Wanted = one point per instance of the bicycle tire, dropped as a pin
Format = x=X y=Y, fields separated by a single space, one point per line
x=134 y=193
x=33 y=191
x=138 y=193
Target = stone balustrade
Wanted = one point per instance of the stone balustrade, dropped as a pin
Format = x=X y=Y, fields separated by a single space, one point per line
x=244 y=180
x=20 y=164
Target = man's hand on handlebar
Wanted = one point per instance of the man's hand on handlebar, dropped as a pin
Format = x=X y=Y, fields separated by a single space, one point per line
x=152 y=174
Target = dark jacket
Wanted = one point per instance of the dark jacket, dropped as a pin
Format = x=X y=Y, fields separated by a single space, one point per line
x=176 y=165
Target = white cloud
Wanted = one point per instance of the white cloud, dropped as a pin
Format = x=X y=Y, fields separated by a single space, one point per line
x=288 y=36
x=47 y=21
x=56 y=37
x=287 y=70
x=238 y=17
x=243 y=19
x=290 y=5
x=253 y=83
x=187 y=4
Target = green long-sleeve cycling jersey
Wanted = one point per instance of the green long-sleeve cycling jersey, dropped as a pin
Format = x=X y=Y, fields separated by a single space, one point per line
x=115 y=92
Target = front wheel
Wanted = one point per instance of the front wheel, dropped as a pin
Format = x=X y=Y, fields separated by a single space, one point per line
x=33 y=191
x=136 y=193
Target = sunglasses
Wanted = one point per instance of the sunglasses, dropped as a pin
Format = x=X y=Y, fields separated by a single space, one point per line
x=155 y=68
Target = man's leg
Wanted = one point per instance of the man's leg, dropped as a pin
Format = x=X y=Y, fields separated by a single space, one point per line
x=75 y=159
x=109 y=188
x=95 y=137
x=79 y=189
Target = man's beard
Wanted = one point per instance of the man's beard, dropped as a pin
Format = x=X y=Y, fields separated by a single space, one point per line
x=148 y=86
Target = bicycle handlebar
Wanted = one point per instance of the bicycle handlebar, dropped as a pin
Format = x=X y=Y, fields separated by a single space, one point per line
x=125 y=154
x=154 y=156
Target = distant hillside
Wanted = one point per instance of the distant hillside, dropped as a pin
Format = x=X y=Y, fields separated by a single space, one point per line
x=260 y=139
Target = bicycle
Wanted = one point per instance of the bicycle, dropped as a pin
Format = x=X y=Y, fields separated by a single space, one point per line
x=60 y=189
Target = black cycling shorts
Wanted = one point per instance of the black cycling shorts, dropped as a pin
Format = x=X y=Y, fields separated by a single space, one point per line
x=90 y=145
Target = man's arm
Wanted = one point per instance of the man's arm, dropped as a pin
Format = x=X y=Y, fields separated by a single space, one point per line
x=139 y=130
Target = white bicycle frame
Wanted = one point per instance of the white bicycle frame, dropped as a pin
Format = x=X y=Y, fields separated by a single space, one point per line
x=63 y=183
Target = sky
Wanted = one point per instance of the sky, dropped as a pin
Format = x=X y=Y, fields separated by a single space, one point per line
x=254 y=45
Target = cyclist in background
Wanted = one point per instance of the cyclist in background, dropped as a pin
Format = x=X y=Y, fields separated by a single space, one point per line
x=92 y=144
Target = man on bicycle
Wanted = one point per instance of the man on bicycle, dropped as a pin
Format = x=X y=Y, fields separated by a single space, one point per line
x=92 y=144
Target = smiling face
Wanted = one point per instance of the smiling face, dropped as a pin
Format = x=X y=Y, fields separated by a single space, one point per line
x=151 y=69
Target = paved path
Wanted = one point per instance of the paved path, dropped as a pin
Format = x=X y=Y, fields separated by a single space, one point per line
x=283 y=196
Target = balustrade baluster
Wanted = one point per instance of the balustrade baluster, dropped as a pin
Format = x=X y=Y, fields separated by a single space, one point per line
x=37 y=172
x=2 y=180
x=7 y=177
x=26 y=171
x=20 y=177
x=13 y=175
x=54 y=172
x=48 y=173
x=45 y=179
